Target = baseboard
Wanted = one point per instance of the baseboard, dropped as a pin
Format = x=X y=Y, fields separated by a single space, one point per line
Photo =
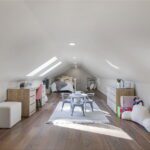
x=101 y=95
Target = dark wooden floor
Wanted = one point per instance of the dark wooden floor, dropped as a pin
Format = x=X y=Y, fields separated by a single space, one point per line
x=34 y=134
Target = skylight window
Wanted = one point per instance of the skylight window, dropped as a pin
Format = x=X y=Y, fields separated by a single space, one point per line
x=112 y=65
x=46 y=64
x=50 y=69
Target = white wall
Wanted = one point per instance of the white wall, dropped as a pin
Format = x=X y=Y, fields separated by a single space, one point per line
x=4 y=85
x=142 y=89
x=103 y=84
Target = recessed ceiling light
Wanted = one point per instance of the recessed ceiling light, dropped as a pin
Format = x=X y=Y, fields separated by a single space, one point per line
x=72 y=44
x=74 y=57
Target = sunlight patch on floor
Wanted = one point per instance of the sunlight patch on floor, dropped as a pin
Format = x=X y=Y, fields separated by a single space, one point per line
x=108 y=130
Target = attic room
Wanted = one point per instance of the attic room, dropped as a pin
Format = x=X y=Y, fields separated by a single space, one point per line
x=75 y=74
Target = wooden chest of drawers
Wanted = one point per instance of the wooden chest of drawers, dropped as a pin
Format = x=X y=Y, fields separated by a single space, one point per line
x=27 y=97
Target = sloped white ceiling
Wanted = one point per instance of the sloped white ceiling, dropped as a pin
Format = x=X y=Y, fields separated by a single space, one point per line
x=33 y=31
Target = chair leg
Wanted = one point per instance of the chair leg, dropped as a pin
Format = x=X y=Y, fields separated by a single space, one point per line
x=72 y=110
x=40 y=102
x=85 y=107
x=62 y=106
x=83 y=110
x=91 y=105
x=37 y=104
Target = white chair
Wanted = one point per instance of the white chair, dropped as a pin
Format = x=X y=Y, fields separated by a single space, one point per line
x=65 y=99
x=10 y=114
x=77 y=101
x=89 y=100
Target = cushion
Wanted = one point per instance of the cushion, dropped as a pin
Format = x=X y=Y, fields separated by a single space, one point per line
x=146 y=124
x=126 y=115
x=126 y=101
x=139 y=113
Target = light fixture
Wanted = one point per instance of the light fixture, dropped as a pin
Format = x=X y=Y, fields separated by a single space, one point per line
x=74 y=57
x=46 y=64
x=50 y=69
x=112 y=65
x=72 y=44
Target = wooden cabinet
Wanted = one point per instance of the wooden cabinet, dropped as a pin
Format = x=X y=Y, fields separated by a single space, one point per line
x=27 y=97
x=114 y=94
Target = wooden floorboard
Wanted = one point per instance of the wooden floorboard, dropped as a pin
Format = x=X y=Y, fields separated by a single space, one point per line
x=34 y=134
